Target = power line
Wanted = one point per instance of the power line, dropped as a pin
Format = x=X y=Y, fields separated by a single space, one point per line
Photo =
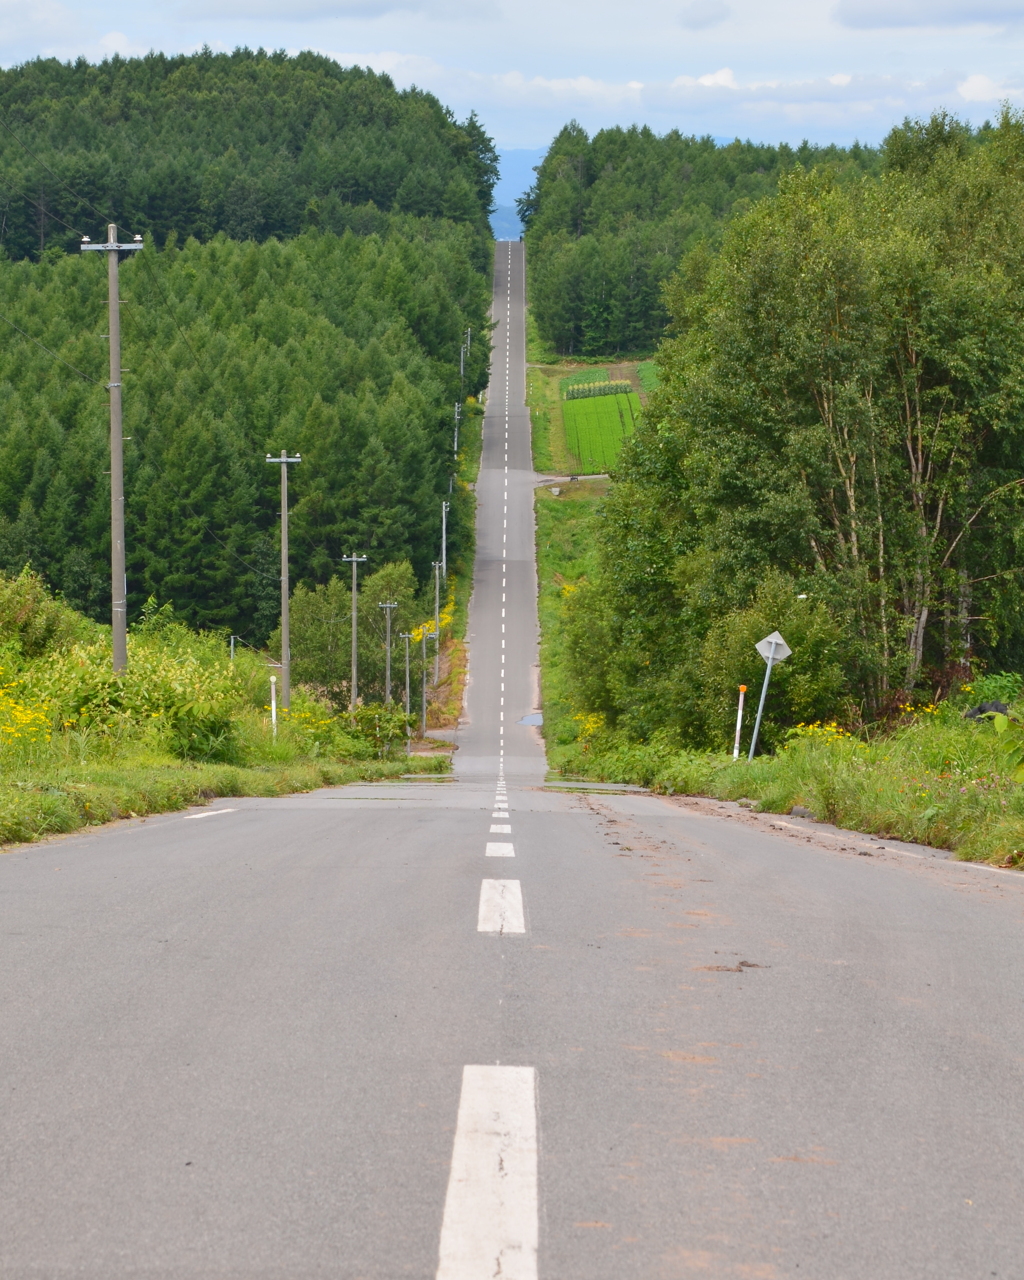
x=95 y=381
x=151 y=461
x=44 y=211
x=66 y=185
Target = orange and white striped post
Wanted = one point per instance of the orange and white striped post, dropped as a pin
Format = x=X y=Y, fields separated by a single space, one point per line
x=739 y=723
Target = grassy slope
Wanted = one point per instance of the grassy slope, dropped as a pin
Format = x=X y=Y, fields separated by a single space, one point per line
x=937 y=779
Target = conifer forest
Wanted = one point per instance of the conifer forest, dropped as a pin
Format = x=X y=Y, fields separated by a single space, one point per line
x=316 y=248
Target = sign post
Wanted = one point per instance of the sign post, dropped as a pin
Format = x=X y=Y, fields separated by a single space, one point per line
x=773 y=649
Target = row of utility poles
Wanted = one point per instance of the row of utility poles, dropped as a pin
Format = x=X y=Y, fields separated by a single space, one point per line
x=116 y=252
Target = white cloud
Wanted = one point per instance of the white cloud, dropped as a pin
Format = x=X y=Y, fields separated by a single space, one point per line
x=723 y=79
x=841 y=106
x=928 y=13
x=982 y=88
x=307 y=11
x=698 y=15
x=118 y=42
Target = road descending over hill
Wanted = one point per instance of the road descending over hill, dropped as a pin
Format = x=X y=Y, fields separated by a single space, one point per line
x=482 y=1028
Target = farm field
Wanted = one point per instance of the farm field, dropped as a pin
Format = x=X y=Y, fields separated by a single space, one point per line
x=596 y=427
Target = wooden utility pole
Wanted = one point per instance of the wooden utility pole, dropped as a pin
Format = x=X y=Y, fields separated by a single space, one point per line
x=388 y=606
x=354 y=560
x=286 y=632
x=118 y=579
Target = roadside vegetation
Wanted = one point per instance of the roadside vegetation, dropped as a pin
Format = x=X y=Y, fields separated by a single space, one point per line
x=184 y=723
x=929 y=775
x=832 y=452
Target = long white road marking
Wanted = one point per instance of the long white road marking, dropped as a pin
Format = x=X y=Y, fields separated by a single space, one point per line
x=210 y=813
x=501 y=907
x=490 y=1225
x=500 y=849
x=500 y=828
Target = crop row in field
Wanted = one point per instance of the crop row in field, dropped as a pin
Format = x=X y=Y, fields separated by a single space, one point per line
x=580 y=377
x=587 y=390
x=595 y=428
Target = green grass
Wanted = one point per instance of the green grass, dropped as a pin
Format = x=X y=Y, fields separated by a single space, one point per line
x=647 y=372
x=937 y=780
x=62 y=797
x=595 y=429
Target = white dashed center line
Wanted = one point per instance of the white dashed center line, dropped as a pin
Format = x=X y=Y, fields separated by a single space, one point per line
x=501 y=906
x=490 y=1225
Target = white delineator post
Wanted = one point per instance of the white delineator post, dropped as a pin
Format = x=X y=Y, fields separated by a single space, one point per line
x=739 y=723
x=273 y=704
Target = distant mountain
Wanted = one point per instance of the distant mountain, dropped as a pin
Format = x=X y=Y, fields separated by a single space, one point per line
x=505 y=224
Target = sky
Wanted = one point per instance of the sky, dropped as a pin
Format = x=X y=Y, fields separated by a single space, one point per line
x=770 y=70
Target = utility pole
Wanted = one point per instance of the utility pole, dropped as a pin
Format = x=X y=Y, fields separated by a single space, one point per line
x=118 y=579
x=423 y=715
x=407 y=636
x=458 y=415
x=437 y=619
x=389 y=606
x=286 y=633
x=354 y=560
x=444 y=539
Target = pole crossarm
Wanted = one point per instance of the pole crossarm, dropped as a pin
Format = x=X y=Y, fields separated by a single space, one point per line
x=112 y=245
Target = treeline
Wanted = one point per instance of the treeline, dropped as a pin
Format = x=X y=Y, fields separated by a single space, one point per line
x=609 y=217
x=834 y=452
x=316 y=248
x=342 y=348
x=252 y=144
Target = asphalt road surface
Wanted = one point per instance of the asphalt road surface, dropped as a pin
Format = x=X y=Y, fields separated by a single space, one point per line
x=482 y=1028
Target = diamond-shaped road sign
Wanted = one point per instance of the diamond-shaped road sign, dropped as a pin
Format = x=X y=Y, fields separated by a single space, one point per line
x=774 y=641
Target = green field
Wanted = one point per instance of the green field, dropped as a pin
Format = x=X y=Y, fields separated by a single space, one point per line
x=596 y=428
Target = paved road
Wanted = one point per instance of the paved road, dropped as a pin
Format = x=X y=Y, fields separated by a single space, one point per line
x=337 y=1036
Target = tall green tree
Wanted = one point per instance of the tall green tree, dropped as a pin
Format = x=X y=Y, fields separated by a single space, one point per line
x=609 y=217
x=843 y=405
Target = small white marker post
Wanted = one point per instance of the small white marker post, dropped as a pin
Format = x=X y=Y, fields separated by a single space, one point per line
x=739 y=723
x=773 y=649
x=273 y=703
